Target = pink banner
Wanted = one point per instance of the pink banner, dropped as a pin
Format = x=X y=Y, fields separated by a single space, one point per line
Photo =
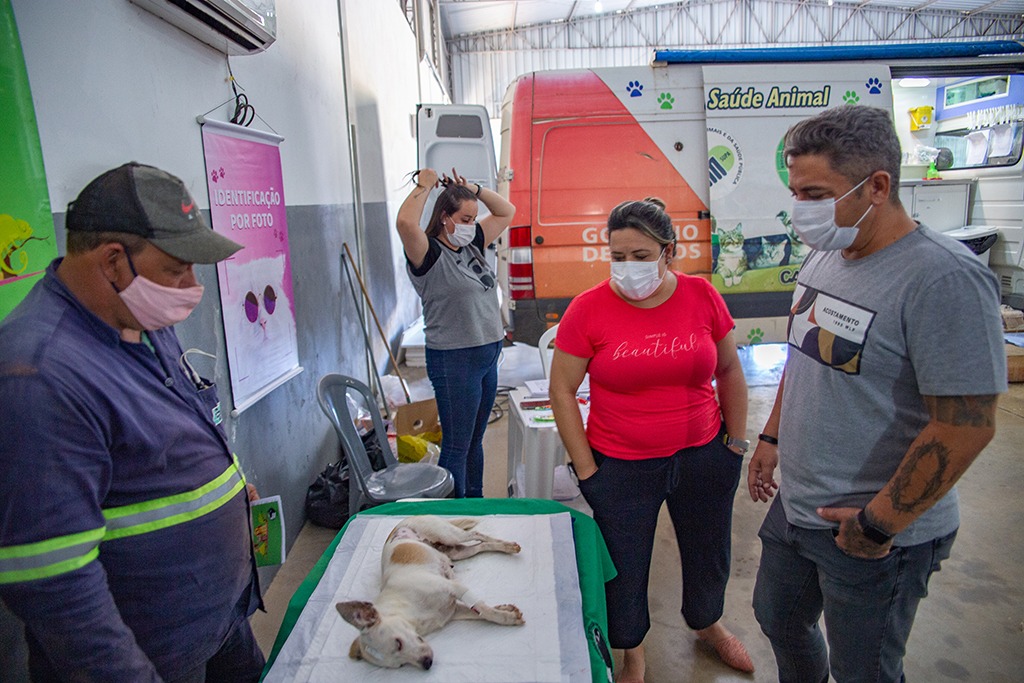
x=243 y=173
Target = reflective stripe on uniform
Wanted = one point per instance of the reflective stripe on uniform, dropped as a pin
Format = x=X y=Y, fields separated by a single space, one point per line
x=54 y=556
x=140 y=518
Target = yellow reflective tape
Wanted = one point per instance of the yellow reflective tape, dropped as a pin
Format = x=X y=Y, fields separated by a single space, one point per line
x=38 y=550
x=49 y=570
x=135 y=508
x=238 y=466
x=51 y=544
x=165 y=522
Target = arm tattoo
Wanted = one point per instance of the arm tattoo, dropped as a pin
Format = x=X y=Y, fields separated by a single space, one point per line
x=920 y=478
x=969 y=411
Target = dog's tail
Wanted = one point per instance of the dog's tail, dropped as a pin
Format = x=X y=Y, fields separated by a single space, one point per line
x=464 y=523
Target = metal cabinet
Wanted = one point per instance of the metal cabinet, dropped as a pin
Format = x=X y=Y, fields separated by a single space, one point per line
x=940 y=204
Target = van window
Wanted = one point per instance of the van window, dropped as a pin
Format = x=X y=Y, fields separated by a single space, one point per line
x=585 y=170
x=976 y=90
x=459 y=126
x=986 y=147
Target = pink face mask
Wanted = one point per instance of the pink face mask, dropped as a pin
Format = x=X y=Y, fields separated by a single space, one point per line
x=155 y=305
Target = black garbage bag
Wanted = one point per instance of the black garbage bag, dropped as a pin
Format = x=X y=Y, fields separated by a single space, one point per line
x=373 y=451
x=327 y=497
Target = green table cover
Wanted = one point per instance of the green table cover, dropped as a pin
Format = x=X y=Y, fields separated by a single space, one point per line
x=593 y=564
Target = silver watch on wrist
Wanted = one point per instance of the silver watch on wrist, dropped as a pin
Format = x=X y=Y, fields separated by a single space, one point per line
x=740 y=444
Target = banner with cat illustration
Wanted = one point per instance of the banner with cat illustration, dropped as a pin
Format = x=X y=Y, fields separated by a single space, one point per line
x=748 y=111
x=243 y=174
x=27 y=241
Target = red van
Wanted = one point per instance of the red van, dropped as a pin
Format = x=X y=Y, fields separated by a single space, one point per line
x=703 y=131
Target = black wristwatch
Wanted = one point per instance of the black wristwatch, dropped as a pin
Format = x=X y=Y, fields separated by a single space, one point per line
x=871 y=532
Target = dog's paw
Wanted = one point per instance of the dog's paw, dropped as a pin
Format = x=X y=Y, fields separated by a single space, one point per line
x=512 y=548
x=514 y=616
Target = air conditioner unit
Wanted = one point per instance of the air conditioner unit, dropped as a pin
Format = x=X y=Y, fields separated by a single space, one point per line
x=235 y=27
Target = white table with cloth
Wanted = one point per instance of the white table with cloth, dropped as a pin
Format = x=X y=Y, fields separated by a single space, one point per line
x=535 y=447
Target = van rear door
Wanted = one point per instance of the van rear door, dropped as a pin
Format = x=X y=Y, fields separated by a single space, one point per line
x=459 y=136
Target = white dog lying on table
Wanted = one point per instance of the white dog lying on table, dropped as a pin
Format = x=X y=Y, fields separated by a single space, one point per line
x=419 y=593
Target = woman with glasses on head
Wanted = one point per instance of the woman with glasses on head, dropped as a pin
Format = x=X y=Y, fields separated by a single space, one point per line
x=462 y=320
x=653 y=342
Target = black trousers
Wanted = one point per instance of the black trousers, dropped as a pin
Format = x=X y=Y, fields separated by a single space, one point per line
x=699 y=485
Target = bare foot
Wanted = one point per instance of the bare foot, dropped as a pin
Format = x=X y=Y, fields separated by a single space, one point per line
x=728 y=647
x=632 y=666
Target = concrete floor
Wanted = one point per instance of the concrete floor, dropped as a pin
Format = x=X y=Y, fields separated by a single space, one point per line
x=971 y=627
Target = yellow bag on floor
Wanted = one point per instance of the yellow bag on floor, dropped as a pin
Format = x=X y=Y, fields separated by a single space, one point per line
x=417 y=449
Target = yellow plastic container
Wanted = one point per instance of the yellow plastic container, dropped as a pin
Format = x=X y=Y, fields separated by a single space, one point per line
x=921 y=117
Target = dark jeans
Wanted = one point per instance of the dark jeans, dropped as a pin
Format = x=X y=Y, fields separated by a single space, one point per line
x=465 y=383
x=239 y=659
x=698 y=484
x=869 y=605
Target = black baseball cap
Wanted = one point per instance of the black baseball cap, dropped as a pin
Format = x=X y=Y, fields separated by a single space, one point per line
x=143 y=200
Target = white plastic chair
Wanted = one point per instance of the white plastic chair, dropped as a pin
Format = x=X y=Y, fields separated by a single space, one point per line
x=545 y=345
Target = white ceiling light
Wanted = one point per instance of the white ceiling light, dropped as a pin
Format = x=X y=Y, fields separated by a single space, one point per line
x=598 y=7
x=913 y=82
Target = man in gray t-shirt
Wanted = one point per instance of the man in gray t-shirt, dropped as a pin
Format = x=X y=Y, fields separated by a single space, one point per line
x=895 y=363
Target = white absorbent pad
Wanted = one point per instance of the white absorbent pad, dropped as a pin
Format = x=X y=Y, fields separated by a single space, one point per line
x=541 y=580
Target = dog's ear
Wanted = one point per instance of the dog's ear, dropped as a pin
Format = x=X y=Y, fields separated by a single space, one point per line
x=355 y=651
x=359 y=613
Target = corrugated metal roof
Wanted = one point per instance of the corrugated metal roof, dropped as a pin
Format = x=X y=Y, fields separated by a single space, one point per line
x=464 y=17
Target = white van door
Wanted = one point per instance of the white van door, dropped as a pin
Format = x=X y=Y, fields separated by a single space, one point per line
x=456 y=136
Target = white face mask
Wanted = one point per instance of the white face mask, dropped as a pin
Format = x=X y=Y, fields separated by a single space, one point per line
x=637 y=280
x=814 y=220
x=155 y=305
x=463 y=234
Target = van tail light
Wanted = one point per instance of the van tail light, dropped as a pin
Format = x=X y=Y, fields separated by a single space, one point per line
x=520 y=263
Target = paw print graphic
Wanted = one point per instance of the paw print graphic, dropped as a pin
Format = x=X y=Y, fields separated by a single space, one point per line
x=874 y=86
x=755 y=335
x=221 y=171
x=213 y=175
x=851 y=97
x=666 y=100
x=635 y=89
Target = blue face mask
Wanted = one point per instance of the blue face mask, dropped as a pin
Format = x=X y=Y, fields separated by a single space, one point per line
x=814 y=220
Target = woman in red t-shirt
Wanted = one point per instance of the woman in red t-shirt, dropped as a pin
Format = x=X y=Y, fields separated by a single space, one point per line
x=652 y=341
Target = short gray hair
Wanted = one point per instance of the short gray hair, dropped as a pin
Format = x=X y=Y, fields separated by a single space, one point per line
x=857 y=141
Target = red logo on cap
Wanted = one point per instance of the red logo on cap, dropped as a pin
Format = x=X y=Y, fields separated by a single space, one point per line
x=187 y=208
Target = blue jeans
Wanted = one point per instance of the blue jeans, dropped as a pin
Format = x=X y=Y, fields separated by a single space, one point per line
x=698 y=485
x=465 y=383
x=869 y=605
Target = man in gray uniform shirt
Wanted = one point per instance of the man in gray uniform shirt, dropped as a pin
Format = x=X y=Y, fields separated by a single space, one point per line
x=879 y=413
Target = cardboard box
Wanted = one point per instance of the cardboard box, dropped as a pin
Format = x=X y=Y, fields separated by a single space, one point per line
x=418 y=417
x=1013 y=319
x=1014 y=363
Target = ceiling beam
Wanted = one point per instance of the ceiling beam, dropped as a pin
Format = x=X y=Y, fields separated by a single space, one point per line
x=985 y=7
